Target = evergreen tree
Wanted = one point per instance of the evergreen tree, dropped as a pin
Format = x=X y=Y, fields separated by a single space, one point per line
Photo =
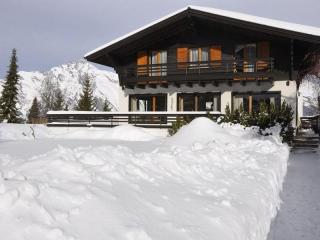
x=66 y=107
x=34 y=112
x=9 y=95
x=86 y=101
x=245 y=117
x=228 y=115
x=107 y=106
x=58 y=103
x=263 y=117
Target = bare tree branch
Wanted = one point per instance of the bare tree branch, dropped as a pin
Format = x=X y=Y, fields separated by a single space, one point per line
x=310 y=65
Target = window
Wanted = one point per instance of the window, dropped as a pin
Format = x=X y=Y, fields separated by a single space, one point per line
x=199 y=102
x=194 y=55
x=198 y=54
x=204 y=55
x=147 y=103
x=159 y=59
x=251 y=102
x=247 y=53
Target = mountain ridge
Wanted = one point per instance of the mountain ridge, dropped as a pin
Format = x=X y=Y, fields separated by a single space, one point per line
x=68 y=77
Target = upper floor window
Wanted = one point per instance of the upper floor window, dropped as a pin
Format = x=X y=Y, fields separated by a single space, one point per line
x=198 y=54
x=246 y=52
x=252 y=57
x=157 y=60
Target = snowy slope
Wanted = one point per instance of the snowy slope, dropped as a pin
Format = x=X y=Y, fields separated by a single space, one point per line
x=68 y=77
x=206 y=182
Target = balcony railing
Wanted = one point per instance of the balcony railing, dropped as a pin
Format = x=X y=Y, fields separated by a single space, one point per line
x=222 y=70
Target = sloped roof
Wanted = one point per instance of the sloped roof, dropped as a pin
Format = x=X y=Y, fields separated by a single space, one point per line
x=277 y=24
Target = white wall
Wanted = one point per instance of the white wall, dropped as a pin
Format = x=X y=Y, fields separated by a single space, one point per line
x=288 y=93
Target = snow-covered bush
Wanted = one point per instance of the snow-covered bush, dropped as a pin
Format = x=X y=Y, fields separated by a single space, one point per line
x=266 y=117
x=176 y=126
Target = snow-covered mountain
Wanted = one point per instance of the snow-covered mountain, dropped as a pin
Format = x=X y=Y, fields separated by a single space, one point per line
x=68 y=77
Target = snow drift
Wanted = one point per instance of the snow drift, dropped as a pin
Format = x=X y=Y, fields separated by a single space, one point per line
x=206 y=182
x=31 y=132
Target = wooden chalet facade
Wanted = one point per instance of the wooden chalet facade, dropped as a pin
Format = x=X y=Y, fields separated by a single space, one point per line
x=203 y=59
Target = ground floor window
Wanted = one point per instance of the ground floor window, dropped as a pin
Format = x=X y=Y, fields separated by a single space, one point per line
x=251 y=101
x=199 y=102
x=147 y=102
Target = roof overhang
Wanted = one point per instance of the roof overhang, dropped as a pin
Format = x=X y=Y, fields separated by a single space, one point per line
x=275 y=27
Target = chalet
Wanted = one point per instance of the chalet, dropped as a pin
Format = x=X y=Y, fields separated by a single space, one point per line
x=201 y=59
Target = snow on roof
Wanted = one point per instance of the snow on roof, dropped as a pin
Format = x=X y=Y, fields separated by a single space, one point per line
x=230 y=14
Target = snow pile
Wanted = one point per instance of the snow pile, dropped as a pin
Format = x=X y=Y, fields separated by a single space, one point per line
x=68 y=77
x=207 y=182
x=30 y=132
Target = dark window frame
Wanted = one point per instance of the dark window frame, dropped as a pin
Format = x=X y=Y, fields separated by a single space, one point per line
x=277 y=94
x=149 y=95
x=218 y=94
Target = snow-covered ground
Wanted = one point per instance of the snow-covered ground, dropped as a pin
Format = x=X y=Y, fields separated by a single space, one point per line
x=299 y=216
x=206 y=182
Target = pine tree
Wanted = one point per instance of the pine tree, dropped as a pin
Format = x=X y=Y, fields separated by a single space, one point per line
x=86 y=101
x=58 y=103
x=107 y=106
x=34 y=112
x=228 y=114
x=9 y=95
x=263 y=117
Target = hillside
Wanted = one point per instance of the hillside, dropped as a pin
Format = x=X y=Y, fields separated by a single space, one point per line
x=68 y=77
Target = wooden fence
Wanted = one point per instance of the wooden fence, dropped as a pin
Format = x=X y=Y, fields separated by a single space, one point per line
x=111 y=119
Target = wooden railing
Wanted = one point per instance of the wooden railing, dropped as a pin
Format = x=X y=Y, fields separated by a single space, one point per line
x=111 y=119
x=229 y=69
x=311 y=122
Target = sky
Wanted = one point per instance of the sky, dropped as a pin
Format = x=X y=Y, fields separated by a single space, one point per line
x=47 y=33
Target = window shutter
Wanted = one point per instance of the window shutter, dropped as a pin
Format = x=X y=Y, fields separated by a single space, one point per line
x=182 y=57
x=216 y=57
x=263 y=54
x=142 y=59
x=215 y=53
x=263 y=50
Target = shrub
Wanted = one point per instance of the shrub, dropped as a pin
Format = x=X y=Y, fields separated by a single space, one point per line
x=265 y=118
x=177 y=125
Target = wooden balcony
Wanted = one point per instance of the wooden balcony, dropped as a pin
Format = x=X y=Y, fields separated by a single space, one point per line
x=198 y=72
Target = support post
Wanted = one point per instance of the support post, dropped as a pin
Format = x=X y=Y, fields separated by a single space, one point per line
x=291 y=59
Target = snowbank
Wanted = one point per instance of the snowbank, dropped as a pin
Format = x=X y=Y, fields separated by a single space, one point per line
x=30 y=132
x=206 y=182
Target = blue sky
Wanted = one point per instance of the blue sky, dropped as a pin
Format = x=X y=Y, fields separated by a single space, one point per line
x=47 y=33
